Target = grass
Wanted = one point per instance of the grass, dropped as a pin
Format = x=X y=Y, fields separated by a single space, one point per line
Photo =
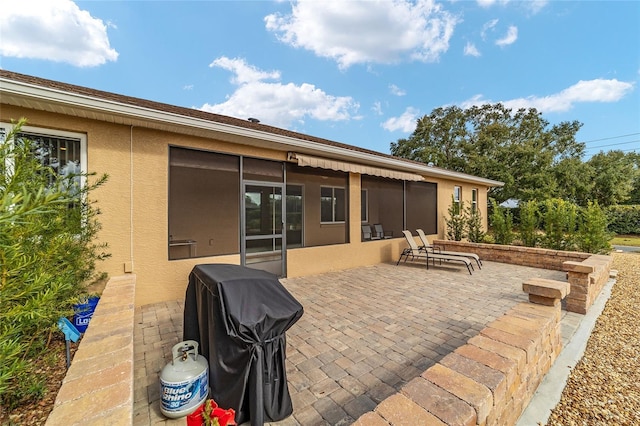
x=626 y=240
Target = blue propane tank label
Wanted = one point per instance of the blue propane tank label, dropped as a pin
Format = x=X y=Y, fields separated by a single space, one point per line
x=179 y=396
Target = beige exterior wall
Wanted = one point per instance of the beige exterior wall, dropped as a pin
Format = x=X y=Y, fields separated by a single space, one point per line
x=445 y=192
x=134 y=206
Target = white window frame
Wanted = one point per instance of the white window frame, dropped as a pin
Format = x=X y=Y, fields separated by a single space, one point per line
x=474 y=200
x=333 y=204
x=457 y=197
x=41 y=131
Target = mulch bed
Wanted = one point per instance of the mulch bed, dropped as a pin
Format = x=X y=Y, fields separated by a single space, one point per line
x=52 y=368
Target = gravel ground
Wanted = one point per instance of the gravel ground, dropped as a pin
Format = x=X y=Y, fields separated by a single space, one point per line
x=604 y=387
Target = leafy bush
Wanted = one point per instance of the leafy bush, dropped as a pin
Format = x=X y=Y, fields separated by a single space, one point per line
x=559 y=219
x=475 y=232
x=592 y=233
x=529 y=221
x=501 y=224
x=47 y=256
x=455 y=223
x=624 y=220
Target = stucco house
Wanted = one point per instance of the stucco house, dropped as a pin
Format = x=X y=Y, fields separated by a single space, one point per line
x=188 y=187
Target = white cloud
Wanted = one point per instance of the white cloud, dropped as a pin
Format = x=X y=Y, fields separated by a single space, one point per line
x=244 y=73
x=485 y=3
x=395 y=90
x=187 y=87
x=275 y=103
x=471 y=50
x=509 y=38
x=535 y=6
x=377 y=108
x=488 y=3
x=598 y=90
x=365 y=32
x=406 y=122
x=54 y=30
x=488 y=26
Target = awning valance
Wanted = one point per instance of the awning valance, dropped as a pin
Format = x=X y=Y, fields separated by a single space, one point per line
x=326 y=163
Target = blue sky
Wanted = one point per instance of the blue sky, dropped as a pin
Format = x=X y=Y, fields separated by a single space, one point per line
x=357 y=72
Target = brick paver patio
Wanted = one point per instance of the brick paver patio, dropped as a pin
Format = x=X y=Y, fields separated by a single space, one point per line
x=365 y=333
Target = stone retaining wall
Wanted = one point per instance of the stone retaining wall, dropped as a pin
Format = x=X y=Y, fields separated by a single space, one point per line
x=515 y=255
x=98 y=388
x=587 y=273
x=488 y=381
x=587 y=278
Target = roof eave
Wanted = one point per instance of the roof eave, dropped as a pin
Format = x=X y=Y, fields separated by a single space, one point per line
x=106 y=106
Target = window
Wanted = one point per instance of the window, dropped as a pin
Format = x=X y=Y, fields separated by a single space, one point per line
x=474 y=200
x=64 y=152
x=385 y=203
x=364 y=206
x=332 y=204
x=457 y=198
x=295 y=218
x=312 y=183
x=204 y=207
x=422 y=207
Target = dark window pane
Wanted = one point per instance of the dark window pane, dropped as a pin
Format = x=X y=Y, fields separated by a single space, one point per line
x=363 y=206
x=262 y=170
x=318 y=203
x=386 y=203
x=422 y=207
x=326 y=204
x=294 y=216
x=204 y=207
x=340 y=207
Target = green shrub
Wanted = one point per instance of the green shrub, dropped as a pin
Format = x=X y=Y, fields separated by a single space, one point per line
x=475 y=231
x=47 y=256
x=528 y=231
x=501 y=224
x=624 y=220
x=592 y=232
x=455 y=223
x=560 y=221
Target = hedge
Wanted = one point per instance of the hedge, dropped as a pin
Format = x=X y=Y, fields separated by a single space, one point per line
x=624 y=220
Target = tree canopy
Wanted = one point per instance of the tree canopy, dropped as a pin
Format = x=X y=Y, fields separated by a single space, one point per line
x=534 y=159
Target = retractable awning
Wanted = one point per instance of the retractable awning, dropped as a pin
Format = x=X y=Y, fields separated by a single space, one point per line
x=343 y=166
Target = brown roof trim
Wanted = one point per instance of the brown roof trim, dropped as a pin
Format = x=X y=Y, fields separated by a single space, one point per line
x=173 y=109
x=192 y=113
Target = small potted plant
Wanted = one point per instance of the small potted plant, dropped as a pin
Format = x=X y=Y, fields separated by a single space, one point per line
x=209 y=414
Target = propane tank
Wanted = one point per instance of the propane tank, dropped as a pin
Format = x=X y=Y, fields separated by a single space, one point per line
x=184 y=382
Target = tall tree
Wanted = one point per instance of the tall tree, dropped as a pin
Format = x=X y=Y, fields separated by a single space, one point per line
x=439 y=139
x=613 y=177
x=518 y=148
x=634 y=195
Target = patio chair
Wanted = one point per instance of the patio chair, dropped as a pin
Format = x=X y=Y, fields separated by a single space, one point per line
x=415 y=252
x=367 y=233
x=380 y=232
x=428 y=247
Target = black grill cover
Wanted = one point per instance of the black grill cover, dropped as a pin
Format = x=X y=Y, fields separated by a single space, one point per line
x=239 y=317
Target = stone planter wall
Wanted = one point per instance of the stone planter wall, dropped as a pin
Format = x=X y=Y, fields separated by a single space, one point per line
x=587 y=278
x=516 y=255
x=98 y=387
x=587 y=274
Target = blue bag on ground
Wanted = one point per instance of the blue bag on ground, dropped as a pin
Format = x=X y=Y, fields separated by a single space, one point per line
x=83 y=313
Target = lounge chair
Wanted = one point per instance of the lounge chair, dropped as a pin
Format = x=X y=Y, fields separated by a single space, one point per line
x=428 y=247
x=380 y=233
x=415 y=252
x=367 y=233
